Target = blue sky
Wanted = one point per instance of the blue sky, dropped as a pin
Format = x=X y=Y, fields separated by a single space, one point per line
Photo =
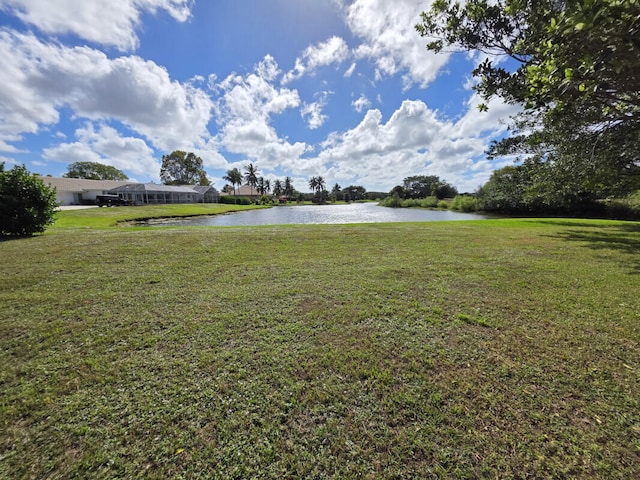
x=301 y=88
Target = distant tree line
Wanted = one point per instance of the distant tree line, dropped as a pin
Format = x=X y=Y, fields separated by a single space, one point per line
x=283 y=188
x=263 y=186
x=352 y=193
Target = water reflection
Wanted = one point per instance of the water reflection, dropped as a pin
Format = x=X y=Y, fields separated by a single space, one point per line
x=323 y=214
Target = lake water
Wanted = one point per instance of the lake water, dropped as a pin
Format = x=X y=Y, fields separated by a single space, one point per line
x=322 y=214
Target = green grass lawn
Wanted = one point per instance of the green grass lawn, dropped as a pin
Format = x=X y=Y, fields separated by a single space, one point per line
x=486 y=349
x=110 y=217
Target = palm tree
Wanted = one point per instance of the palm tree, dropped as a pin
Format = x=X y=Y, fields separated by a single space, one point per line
x=261 y=186
x=320 y=184
x=336 y=192
x=234 y=177
x=267 y=186
x=288 y=187
x=313 y=184
x=277 y=188
x=251 y=176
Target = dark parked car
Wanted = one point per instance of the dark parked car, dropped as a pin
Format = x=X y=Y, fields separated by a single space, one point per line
x=109 y=201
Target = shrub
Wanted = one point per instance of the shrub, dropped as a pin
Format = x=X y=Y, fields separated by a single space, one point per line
x=233 y=200
x=623 y=208
x=464 y=203
x=443 y=204
x=429 y=202
x=412 y=202
x=394 y=201
x=27 y=205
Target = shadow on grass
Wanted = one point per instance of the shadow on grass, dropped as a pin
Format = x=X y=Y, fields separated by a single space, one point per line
x=624 y=238
x=8 y=238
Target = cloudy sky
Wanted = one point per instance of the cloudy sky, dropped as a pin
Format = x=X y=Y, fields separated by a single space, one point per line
x=338 y=88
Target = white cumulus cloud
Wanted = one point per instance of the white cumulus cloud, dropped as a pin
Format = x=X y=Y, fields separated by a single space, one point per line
x=361 y=103
x=415 y=140
x=334 y=50
x=389 y=39
x=110 y=23
x=41 y=77
x=106 y=145
x=312 y=112
x=244 y=113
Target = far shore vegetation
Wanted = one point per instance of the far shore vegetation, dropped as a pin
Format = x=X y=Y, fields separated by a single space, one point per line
x=486 y=349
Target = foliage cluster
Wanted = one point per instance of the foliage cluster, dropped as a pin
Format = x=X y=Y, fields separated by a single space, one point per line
x=464 y=203
x=183 y=168
x=423 y=186
x=263 y=186
x=577 y=77
x=27 y=205
x=623 y=208
x=354 y=193
x=94 y=171
x=233 y=200
x=234 y=177
x=251 y=176
x=535 y=188
x=395 y=201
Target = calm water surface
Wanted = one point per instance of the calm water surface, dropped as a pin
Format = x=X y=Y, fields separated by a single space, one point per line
x=327 y=214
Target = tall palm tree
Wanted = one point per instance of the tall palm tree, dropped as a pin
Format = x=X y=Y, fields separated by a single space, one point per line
x=251 y=176
x=288 y=186
x=336 y=192
x=234 y=177
x=320 y=184
x=313 y=184
x=277 y=188
x=267 y=185
x=261 y=186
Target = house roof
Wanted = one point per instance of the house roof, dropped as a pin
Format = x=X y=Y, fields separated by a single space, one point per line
x=243 y=190
x=81 y=184
x=204 y=189
x=155 y=187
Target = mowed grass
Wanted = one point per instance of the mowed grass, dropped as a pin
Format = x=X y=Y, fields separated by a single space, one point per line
x=488 y=349
x=106 y=217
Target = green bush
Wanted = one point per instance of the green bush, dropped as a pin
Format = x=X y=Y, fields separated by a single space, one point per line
x=623 y=208
x=394 y=201
x=429 y=202
x=233 y=200
x=443 y=204
x=464 y=203
x=412 y=202
x=27 y=205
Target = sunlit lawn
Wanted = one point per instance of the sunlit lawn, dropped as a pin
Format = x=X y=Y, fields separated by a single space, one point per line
x=487 y=349
x=110 y=216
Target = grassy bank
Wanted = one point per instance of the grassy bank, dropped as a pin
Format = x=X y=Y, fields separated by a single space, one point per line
x=490 y=349
x=111 y=217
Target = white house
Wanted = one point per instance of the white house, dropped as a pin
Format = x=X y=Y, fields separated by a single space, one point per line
x=146 y=193
x=243 y=191
x=79 y=191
